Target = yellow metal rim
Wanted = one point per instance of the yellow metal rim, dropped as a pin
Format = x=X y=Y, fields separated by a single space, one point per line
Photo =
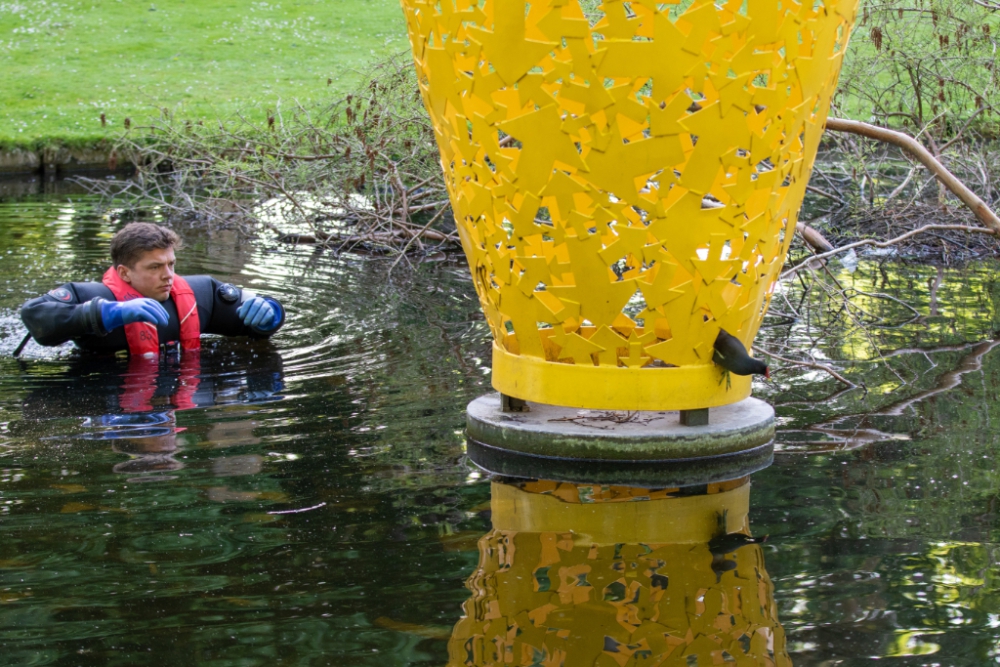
x=610 y=388
x=684 y=520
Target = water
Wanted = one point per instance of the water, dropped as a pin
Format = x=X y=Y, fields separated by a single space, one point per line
x=307 y=501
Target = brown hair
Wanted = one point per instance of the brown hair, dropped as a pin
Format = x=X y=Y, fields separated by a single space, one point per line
x=136 y=238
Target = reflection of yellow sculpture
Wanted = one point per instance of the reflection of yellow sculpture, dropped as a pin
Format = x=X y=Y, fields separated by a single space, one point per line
x=576 y=577
x=625 y=188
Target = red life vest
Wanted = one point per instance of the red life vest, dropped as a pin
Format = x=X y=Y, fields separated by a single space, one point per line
x=142 y=337
x=139 y=383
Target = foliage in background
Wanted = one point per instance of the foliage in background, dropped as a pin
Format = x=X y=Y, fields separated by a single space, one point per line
x=364 y=170
x=927 y=68
x=924 y=66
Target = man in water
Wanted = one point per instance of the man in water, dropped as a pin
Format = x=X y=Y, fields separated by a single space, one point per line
x=141 y=304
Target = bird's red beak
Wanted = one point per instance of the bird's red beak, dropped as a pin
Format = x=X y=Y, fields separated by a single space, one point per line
x=767 y=372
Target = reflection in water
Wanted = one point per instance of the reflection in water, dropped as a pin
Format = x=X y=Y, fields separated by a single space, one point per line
x=148 y=453
x=142 y=397
x=885 y=551
x=577 y=575
x=851 y=430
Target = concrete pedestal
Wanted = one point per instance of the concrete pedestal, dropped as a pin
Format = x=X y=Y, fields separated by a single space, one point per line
x=644 y=448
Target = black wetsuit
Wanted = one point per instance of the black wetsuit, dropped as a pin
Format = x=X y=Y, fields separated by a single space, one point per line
x=73 y=312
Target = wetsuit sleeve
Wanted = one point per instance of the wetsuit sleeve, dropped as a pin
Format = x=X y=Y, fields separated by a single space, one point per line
x=218 y=304
x=59 y=316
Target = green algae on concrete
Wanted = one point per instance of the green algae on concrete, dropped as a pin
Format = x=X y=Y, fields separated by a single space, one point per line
x=685 y=473
x=595 y=435
x=638 y=449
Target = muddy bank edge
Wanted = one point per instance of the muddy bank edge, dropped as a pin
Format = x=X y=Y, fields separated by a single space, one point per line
x=60 y=160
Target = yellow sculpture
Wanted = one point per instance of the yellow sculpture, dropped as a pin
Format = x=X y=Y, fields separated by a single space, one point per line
x=577 y=576
x=625 y=184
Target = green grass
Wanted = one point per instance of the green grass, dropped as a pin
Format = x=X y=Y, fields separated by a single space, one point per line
x=64 y=63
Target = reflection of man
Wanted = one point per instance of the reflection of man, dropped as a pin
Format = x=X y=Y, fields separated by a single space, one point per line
x=131 y=393
x=149 y=450
x=141 y=303
x=133 y=406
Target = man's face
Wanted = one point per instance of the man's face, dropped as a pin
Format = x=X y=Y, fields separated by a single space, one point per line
x=152 y=275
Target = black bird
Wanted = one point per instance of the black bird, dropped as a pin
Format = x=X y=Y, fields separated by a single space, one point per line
x=723 y=544
x=727 y=543
x=731 y=355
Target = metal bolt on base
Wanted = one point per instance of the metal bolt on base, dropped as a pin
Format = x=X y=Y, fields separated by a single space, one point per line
x=694 y=417
x=511 y=404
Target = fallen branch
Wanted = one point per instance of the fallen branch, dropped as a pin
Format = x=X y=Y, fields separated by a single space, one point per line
x=386 y=237
x=824 y=193
x=902 y=186
x=885 y=244
x=369 y=159
x=906 y=142
x=416 y=236
x=338 y=238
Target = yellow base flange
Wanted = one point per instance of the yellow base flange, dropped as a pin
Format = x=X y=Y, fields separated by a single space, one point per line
x=610 y=388
x=682 y=520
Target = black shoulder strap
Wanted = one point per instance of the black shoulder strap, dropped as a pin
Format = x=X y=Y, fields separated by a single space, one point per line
x=20 y=348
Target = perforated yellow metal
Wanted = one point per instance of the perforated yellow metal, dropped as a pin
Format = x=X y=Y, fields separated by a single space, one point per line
x=627 y=182
x=616 y=582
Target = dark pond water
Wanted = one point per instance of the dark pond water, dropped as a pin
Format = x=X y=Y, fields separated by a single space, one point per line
x=307 y=501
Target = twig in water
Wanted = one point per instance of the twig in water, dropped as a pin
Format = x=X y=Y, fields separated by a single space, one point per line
x=885 y=244
x=300 y=510
x=808 y=364
x=402 y=252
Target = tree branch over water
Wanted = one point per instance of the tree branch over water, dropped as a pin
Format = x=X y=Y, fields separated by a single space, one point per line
x=908 y=143
x=807 y=364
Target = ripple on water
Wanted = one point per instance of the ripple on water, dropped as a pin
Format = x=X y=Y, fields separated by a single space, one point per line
x=143 y=534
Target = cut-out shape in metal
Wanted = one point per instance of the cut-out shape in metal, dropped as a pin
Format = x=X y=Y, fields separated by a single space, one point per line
x=625 y=184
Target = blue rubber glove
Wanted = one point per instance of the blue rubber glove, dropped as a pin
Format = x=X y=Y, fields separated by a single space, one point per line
x=258 y=314
x=118 y=313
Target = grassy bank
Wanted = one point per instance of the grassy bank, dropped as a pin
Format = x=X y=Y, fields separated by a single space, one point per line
x=66 y=63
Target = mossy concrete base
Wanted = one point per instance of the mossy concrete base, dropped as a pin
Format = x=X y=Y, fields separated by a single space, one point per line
x=638 y=448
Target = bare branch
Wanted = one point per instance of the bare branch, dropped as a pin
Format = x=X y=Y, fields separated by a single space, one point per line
x=885 y=244
x=806 y=364
x=968 y=197
x=824 y=193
